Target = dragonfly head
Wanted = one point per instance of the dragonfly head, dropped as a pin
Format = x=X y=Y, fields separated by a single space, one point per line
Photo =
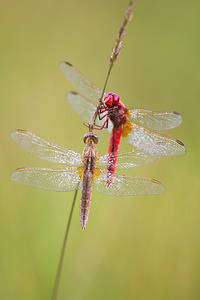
x=91 y=136
x=111 y=99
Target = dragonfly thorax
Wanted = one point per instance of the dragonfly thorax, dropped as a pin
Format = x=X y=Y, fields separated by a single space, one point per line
x=90 y=155
x=117 y=115
x=89 y=164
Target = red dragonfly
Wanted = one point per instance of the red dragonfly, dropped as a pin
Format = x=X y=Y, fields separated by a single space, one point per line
x=139 y=132
x=82 y=171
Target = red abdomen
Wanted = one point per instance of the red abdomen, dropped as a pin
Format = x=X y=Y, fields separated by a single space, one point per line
x=112 y=151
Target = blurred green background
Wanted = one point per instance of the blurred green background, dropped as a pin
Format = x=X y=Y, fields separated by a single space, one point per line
x=145 y=247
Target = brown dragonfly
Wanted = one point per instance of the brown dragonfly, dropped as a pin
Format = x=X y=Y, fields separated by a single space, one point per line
x=84 y=171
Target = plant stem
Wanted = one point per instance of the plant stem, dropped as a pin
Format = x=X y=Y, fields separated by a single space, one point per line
x=57 y=280
x=113 y=59
x=115 y=54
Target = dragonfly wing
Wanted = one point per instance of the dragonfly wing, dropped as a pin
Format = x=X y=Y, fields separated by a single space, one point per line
x=80 y=82
x=155 y=120
x=159 y=144
x=86 y=109
x=131 y=158
x=59 y=180
x=45 y=150
x=82 y=106
x=122 y=185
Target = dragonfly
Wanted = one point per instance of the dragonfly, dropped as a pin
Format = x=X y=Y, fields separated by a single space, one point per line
x=137 y=126
x=86 y=171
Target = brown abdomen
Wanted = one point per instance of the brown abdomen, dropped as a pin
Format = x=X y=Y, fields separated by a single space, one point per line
x=86 y=195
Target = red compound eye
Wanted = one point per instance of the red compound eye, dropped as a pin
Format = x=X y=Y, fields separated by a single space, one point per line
x=108 y=99
x=111 y=99
x=115 y=99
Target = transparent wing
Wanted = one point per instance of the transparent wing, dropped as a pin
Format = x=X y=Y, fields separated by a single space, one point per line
x=59 y=180
x=133 y=158
x=122 y=185
x=155 y=120
x=141 y=137
x=80 y=82
x=45 y=150
x=85 y=108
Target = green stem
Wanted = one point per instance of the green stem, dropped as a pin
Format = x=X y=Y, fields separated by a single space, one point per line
x=106 y=81
x=115 y=53
x=57 y=280
x=119 y=39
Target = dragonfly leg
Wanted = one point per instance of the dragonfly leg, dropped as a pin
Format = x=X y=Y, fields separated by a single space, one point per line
x=101 y=111
x=103 y=108
x=105 y=124
x=102 y=117
x=99 y=127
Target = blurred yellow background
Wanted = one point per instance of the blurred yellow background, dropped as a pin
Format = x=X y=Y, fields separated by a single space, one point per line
x=145 y=247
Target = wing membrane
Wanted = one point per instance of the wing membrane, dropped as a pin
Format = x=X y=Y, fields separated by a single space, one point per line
x=85 y=108
x=141 y=137
x=122 y=185
x=133 y=158
x=155 y=120
x=80 y=82
x=45 y=150
x=59 y=180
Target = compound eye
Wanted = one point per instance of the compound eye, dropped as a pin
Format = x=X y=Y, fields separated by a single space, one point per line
x=108 y=100
x=115 y=99
x=86 y=138
x=95 y=138
x=91 y=136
